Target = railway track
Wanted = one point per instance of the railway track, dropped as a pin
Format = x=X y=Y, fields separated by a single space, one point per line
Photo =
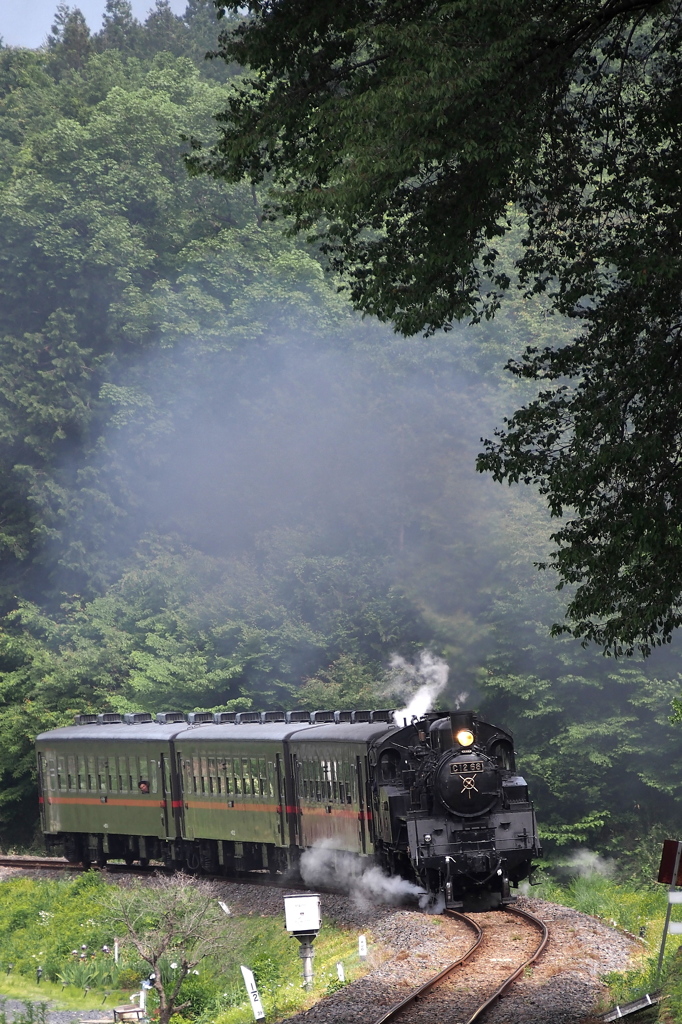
x=448 y=995
x=57 y=863
x=115 y=868
x=61 y=864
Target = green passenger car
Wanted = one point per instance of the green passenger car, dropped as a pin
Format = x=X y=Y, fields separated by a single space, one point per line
x=335 y=800
x=214 y=797
x=107 y=790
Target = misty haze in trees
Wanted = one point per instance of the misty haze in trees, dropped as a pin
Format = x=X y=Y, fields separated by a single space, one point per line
x=222 y=488
x=402 y=136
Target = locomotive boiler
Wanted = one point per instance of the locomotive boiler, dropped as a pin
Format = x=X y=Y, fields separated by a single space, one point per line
x=436 y=800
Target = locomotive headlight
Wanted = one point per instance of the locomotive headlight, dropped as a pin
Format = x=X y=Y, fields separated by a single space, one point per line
x=464 y=737
x=427 y=838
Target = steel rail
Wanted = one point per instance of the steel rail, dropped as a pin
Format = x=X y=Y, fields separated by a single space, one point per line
x=396 y=1010
x=61 y=864
x=263 y=880
x=494 y=998
x=16 y=861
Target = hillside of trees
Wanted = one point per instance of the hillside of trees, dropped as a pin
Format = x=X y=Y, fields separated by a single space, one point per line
x=222 y=488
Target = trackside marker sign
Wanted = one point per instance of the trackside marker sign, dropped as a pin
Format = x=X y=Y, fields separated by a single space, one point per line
x=254 y=998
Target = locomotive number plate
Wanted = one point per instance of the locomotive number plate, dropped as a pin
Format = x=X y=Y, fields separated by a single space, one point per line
x=465 y=767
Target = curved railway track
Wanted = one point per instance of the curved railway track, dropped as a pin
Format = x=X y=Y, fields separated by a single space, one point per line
x=455 y=1001
x=399 y=1009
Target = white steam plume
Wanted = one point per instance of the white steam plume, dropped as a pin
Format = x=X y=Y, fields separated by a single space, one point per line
x=582 y=863
x=420 y=684
x=585 y=863
x=342 y=870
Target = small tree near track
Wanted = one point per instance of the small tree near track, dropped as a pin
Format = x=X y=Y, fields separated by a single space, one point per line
x=173 y=919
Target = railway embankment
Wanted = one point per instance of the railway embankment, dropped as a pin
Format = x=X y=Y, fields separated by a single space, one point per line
x=406 y=948
x=562 y=988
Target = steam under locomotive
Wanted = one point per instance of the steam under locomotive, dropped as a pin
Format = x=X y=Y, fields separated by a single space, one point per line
x=437 y=800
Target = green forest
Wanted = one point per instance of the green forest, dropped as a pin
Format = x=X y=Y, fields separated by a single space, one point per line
x=222 y=487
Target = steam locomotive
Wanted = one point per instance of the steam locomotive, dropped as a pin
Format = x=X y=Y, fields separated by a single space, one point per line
x=436 y=800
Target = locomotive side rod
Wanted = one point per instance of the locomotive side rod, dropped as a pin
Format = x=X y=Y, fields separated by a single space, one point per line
x=544 y=939
x=396 y=1010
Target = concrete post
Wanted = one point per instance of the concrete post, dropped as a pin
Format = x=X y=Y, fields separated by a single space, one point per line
x=306 y=953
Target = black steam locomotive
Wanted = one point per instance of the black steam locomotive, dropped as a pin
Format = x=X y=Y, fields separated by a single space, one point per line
x=436 y=800
x=455 y=812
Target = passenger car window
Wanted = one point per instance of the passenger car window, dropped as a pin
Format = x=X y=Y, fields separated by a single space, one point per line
x=51 y=771
x=132 y=772
x=102 y=773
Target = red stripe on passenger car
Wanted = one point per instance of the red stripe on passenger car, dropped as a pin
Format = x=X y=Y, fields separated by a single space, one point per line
x=207 y=805
x=110 y=801
x=210 y=805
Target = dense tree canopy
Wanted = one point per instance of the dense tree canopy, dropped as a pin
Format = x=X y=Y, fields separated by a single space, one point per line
x=407 y=137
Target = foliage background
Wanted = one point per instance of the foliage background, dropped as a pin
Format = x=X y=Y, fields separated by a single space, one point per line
x=220 y=487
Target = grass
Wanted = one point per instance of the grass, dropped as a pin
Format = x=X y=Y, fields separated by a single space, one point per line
x=15 y=986
x=636 y=908
x=45 y=923
x=625 y=904
x=280 y=982
x=279 y=973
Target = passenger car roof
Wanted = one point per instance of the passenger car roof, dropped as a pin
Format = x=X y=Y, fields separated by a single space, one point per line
x=360 y=732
